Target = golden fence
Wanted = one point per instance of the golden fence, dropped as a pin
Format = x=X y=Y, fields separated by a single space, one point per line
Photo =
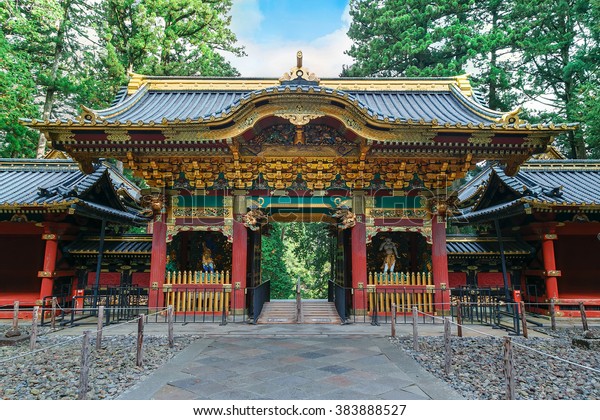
x=403 y=289
x=198 y=291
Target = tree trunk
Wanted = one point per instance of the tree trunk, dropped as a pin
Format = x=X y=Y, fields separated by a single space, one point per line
x=51 y=88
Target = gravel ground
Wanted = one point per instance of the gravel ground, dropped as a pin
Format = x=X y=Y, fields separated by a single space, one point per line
x=53 y=374
x=477 y=366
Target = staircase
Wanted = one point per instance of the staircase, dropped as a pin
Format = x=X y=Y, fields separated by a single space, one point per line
x=313 y=312
x=278 y=312
x=318 y=312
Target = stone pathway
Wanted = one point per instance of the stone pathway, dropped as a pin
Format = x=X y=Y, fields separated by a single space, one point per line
x=292 y=368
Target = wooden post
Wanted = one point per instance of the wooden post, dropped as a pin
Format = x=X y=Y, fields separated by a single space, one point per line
x=170 y=327
x=85 y=366
x=447 y=347
x=140 y=342
x=459 y=319
x=552 y=315
x=524 y=319
x=393 y=320
x=99 y=328
x=15 y=323
x=509 y=369
x=53 y=314
x=415 y=332
x=14 y=330
x=583 y=316
x=34 y=322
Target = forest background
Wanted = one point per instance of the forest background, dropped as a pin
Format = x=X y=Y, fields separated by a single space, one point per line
x=56 y=55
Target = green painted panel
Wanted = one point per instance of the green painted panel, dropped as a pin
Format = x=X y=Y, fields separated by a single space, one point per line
x=399 y=202
x=200 y=201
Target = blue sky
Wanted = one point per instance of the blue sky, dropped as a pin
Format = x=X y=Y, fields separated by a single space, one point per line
x=273 y=30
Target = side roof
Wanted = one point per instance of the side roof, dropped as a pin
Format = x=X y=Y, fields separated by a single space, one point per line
x=565 y=185
x=58 y=185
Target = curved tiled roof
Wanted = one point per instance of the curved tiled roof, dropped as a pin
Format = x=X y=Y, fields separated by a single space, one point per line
x=556 y=182
x=457 y=246
x=44 y=183
x=131 y=245
x=539 y=183
x=436 y=101
x=431 y=106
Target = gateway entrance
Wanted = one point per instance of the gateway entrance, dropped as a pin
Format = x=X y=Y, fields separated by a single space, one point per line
x=373 y=158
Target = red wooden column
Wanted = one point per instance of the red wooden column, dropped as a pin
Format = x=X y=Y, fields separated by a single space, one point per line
x=239 y=254
x=47 y=273
x=359 y=264
x=550 y=266
x=439 y=262
x=239 y=262
x=158 y=262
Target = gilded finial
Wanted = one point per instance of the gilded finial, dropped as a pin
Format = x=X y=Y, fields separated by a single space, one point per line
x=299 y=73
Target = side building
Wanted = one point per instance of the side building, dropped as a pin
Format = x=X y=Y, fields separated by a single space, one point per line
x=551 y=207
x=49 y=210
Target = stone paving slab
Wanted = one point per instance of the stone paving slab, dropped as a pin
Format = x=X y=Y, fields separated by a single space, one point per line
x=301 y=368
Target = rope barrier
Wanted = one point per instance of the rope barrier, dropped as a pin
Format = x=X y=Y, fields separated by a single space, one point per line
x=522 y=346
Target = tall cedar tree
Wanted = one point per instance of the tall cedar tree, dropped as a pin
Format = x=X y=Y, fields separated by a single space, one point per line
x=171 y=37
x=410 y=37
x=554 y=46
x=17 y=92
x=493 y=68
x=54 y=36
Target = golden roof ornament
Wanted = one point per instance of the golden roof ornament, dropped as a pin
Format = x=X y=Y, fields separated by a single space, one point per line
x=299 y=73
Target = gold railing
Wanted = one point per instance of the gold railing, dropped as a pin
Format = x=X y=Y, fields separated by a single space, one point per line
x=403 y=289
x=198 y=291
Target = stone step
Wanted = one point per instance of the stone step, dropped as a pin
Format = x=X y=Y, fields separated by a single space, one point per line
x=312 y=313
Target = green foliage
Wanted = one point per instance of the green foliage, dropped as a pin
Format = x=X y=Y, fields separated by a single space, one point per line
x=539 y=53
x=16 y=101
x=297 y=250
x=273 y=264
x=170 y=37
x=56 y=55
x=410 y=37
x=555 y=60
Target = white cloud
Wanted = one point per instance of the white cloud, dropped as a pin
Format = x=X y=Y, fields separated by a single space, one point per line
x=246 y=18
x=323 y=56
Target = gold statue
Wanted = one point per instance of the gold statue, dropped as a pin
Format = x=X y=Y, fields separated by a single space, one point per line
x=391 y=253
x=207 y=261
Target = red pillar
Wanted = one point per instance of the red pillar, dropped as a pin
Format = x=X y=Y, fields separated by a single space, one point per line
x=439 y=262
x=158 y=263
x=359 y=265
x=47 y=273
x=239 y=261
x=550 y=266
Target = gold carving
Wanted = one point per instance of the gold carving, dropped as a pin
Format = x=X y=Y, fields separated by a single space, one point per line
x=187 y=136
x=117 y=136
x=153 y=201
x=511 y=117
x=481 y=138
x=65 y=137
x=299 y=72
x=299 y=116
x=535 y=140
x=205 y=212
x=344 y=217
x=254 y=219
